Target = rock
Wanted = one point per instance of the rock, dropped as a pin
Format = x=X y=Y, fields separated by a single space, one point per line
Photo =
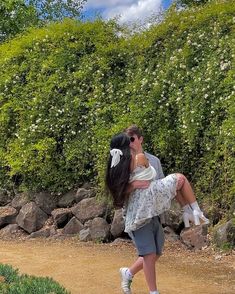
x=85 y=235
x=5 y=197
x=88 y=209
x=43 y=233
x=46 y=201
x=68 y=199
x=87 y=186
x=99 y=229
x=83 y=193
x=31 y=218
x=170 y=235
x=12 y=231
x=61 y=216
x=120 y=241
x=194 y=237
x=224 y=234
x=74 y=226
x=172 y=217
x=88 y=224
x=117 y=226
x=20 y=200
x=218 y=257
x=72 y=197
x=7 y=215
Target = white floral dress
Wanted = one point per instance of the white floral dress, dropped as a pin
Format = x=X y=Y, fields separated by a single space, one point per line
x=143 y=204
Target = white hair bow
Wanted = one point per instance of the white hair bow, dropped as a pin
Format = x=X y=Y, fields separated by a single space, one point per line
x=115 y=153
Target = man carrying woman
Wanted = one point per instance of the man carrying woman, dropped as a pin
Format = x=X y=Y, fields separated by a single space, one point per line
x=135 y=185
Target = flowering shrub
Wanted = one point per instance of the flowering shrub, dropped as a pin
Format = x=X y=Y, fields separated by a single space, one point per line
x=67 y=88
x=47 y=88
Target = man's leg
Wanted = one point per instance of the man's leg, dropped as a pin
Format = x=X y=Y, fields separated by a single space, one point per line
x=138 y=265
x=149 y=261
x=148 y=239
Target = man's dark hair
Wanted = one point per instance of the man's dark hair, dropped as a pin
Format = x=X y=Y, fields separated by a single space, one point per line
x=134 y=130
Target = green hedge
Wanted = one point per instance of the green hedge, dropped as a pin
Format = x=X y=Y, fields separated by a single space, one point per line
x=47 y=89
x=67 y=88
x=25 y=284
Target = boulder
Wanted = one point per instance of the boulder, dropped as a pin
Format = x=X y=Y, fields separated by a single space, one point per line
x=5 y=197
x=170 y=235
x=117 y=226
x=120 y=241
x=195 y=237
x=31 y=218
x=61 y=216
x=85 y=235
x=68 y=199
x=100 y=229
x=172 y=217
x=43 y=233
x=88 y=209
x=46 y=201
x=83 y=193
x=7 y=215
x=20 y=200
x=12 y=231
x=224 y=234
x=74 y=226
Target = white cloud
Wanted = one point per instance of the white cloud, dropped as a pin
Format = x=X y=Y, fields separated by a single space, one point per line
x=126 y=10
x=106 y=4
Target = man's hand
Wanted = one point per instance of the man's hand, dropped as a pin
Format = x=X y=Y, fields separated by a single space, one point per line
x=138 y=185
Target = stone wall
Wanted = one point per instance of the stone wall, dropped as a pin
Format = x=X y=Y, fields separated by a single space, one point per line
x=32 y=215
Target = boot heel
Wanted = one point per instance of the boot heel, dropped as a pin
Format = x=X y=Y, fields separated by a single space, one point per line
x=196 y=220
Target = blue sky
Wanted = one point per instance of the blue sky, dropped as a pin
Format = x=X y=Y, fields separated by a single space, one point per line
x=126 y=10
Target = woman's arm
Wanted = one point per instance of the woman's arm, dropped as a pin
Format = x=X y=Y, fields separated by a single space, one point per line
x=141 y=160
x=138 y=160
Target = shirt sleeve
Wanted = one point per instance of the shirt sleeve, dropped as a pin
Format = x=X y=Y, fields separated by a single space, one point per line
x=156 y=163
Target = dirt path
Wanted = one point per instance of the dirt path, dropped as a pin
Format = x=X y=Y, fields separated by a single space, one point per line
x=85 y=268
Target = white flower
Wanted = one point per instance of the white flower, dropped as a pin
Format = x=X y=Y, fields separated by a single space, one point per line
x=224 y=66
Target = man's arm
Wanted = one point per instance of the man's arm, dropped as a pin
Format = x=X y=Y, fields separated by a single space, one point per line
x=155 y=162
x=161 y=174
x=137 y=185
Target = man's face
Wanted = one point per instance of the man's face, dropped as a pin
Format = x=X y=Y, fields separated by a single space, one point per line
x=136 y=143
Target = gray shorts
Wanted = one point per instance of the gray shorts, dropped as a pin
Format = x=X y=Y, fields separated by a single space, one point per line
x=149 y=238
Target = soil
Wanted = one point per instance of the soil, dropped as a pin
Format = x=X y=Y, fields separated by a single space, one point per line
x=88 y=268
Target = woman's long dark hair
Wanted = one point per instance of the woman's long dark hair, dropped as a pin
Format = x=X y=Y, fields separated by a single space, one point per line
x=117 y=178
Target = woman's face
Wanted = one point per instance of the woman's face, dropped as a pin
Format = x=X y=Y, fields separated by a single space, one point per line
x=136 y=143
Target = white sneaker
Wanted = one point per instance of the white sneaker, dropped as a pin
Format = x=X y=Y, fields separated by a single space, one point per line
x=126 y=281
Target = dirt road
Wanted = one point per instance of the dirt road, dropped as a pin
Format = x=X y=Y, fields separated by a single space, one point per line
x=85 y=268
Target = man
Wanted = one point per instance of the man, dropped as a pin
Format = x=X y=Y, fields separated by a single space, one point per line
x=157 y=236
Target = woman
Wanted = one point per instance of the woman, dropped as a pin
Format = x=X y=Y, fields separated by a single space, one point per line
x=142 y=205
x=125 y=167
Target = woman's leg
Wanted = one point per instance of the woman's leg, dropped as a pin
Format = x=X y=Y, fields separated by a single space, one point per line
x=185 y=193
x=186 y=197
x=180 y=199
